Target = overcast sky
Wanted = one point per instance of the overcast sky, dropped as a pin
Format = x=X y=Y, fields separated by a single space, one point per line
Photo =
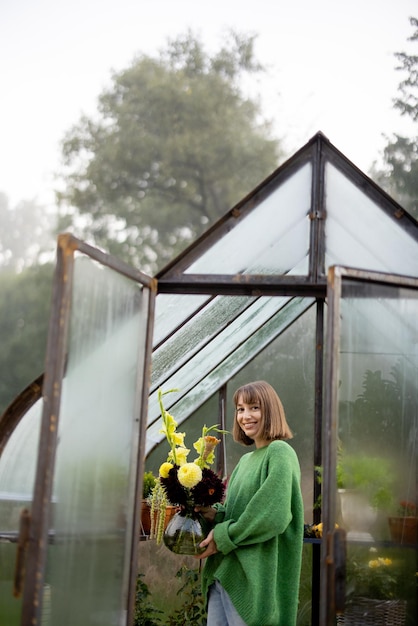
x=331 y=67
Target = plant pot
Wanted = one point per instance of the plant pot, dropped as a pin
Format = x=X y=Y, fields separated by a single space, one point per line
x=357 y=515
x=146 y=517
x=404 y=529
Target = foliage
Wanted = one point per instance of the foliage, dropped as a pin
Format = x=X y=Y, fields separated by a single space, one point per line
x=175 y=144
x=145 y=613
x=148 y=483
x=374 y=577
x=193 y=610
x=400 y=172
x=407 y=101
x=24 y=314
x=370 y=475
x=384 y=410
x=26 y=235
x=407 y=509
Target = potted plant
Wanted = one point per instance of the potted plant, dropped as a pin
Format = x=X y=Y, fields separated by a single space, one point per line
x=365 y=486
x=404 y=526
x=148 y=484
x=373 y=590
x=148 y=488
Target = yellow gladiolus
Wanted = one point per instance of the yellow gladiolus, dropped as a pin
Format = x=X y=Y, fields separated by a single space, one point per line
x=178 y=439
x=180 y=457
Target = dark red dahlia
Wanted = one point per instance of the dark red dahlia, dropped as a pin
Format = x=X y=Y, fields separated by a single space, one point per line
x=209 y=490
x=176 y=493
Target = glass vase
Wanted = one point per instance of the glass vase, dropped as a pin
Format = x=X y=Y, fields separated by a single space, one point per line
x=184 y=534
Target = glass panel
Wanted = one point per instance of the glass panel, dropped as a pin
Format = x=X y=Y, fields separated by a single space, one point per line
x=171 y=310
x=97 y=448
x=17 y=474
x=226 y=355
x=194 y=335
x=377 y=448
x=359 y=233
x=272 y=239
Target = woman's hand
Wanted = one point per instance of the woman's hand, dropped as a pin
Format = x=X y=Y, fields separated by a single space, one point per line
x=209 y=544
x=208 y=512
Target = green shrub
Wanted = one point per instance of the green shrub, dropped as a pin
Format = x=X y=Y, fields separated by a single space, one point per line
x=193 y=610
x=148 y=483
x=145 y=613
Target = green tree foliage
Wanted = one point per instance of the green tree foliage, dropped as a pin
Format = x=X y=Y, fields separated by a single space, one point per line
x=24 y=315
x=176 y=143
x=400 y=172
x=384 y=411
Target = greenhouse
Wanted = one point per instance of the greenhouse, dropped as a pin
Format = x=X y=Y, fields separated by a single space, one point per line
x=309 y=283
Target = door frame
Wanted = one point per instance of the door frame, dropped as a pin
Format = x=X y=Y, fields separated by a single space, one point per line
x=333 y=546
x=38 y=534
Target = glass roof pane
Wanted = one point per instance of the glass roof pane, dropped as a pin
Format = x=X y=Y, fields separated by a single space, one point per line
x=222 y=358
x=271 y=239
x=194 y=335
x=171 y=310
x=221 y=345
x=360 y=234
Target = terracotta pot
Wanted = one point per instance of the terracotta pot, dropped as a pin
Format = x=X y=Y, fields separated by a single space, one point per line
x=403 y=529
x=146 y=517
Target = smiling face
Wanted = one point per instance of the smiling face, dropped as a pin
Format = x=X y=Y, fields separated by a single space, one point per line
x=250 y=420
x=259 y=415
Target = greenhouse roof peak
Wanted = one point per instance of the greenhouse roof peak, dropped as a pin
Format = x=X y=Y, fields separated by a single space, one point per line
x=314 y=211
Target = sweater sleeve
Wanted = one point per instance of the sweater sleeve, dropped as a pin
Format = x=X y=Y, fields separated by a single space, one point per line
x=268 y=511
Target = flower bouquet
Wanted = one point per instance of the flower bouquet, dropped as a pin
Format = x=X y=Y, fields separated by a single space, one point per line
x=186 y=485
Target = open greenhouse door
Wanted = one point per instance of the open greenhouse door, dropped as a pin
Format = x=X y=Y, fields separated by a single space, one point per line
x=370 y=449
x=81 y=532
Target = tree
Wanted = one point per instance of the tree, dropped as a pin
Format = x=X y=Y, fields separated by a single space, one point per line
x=26 y=234
x=400 y=171
x=24 y=315
x=176 y=145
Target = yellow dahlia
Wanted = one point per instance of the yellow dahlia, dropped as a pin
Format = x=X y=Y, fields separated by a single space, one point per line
x=189 y=475
x=164 y=469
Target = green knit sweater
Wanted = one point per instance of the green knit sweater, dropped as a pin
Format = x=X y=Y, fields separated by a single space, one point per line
x=259 y=536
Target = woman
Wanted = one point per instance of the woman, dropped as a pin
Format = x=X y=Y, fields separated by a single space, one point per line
x=254 y=550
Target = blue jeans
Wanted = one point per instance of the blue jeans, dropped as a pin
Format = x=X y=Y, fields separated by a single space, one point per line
x=221 y=611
